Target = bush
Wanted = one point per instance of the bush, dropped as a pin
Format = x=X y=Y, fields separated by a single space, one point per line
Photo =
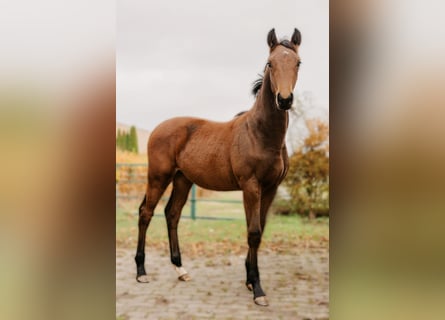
x=281 y=207
x=307 y=180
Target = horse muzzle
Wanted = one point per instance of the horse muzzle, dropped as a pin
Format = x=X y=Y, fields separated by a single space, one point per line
x=284 y=103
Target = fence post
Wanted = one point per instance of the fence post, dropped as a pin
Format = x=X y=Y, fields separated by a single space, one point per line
x=193 y=203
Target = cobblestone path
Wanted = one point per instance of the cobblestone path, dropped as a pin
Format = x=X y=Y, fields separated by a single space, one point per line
x=296 y=283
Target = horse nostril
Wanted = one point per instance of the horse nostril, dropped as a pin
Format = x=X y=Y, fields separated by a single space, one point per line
x=285 y=103
x=289 y=99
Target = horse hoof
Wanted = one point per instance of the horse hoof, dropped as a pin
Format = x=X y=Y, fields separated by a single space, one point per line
x=261 y=301
x=142 y=279
x=185 y=277
x=249 y=286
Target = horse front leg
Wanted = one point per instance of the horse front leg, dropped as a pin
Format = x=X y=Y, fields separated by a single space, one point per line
x=267 y=197
x=252 y=205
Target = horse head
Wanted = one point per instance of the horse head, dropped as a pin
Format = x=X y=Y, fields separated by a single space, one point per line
x=283 y=65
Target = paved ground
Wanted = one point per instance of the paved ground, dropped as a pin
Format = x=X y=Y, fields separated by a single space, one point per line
x=297 y=285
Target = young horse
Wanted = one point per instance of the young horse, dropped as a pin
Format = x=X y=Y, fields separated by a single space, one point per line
x=247 y=153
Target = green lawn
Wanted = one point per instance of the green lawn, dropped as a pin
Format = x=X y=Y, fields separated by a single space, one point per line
x=200 y=235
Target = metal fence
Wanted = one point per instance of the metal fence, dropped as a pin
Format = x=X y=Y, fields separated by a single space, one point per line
x=131 y=179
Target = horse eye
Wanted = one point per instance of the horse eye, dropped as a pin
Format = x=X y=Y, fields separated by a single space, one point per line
x=298 y=64
x=269 y=65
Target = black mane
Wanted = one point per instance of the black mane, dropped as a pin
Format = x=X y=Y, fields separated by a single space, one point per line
x=240 y=114
x=287 y=44
x=256 y=86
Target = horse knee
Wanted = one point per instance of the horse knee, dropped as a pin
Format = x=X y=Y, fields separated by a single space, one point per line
x=145 y=216
x=168 y=213
x=254 y=239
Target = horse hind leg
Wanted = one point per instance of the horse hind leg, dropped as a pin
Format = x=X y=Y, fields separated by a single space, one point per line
x=181 y=188
x=155 y=189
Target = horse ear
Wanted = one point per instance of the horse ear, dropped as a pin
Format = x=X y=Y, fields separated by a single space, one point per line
x=296 y=37
x=272 y=39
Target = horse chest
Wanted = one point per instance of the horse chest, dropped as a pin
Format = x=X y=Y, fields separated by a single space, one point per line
x=268 y=168
x=271 y=170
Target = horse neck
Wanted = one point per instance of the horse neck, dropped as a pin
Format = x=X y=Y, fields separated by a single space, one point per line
x=268 y=121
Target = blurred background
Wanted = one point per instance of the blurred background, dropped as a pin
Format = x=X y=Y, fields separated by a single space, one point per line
x=58 y=134
x=200 y=59
x=387 y=152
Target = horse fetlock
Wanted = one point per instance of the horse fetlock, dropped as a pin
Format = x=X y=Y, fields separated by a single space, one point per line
x=141 y=274
x=253 y=280
x=139 y=258
x=176 y=260
x=257 y=290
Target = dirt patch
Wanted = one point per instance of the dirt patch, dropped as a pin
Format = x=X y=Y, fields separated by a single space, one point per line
x=296 y=283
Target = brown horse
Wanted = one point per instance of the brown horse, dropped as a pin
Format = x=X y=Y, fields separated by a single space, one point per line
x=247 y=153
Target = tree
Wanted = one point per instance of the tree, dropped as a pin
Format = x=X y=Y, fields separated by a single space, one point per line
x=133 y=146
x=308 y=178
x=127 y=141
x=119 y=144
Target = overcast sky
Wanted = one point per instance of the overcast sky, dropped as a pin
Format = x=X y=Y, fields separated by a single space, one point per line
x=199 y=58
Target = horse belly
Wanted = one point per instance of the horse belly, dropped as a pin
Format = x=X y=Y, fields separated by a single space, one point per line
x=217 y=183
x=209 y=171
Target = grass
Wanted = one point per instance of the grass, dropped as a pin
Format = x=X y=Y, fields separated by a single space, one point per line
x=282 y=233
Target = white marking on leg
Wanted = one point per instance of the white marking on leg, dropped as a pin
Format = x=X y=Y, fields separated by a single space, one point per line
x=143 y=279
x=261 y=301
x=182 y=274
x=180 y=271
